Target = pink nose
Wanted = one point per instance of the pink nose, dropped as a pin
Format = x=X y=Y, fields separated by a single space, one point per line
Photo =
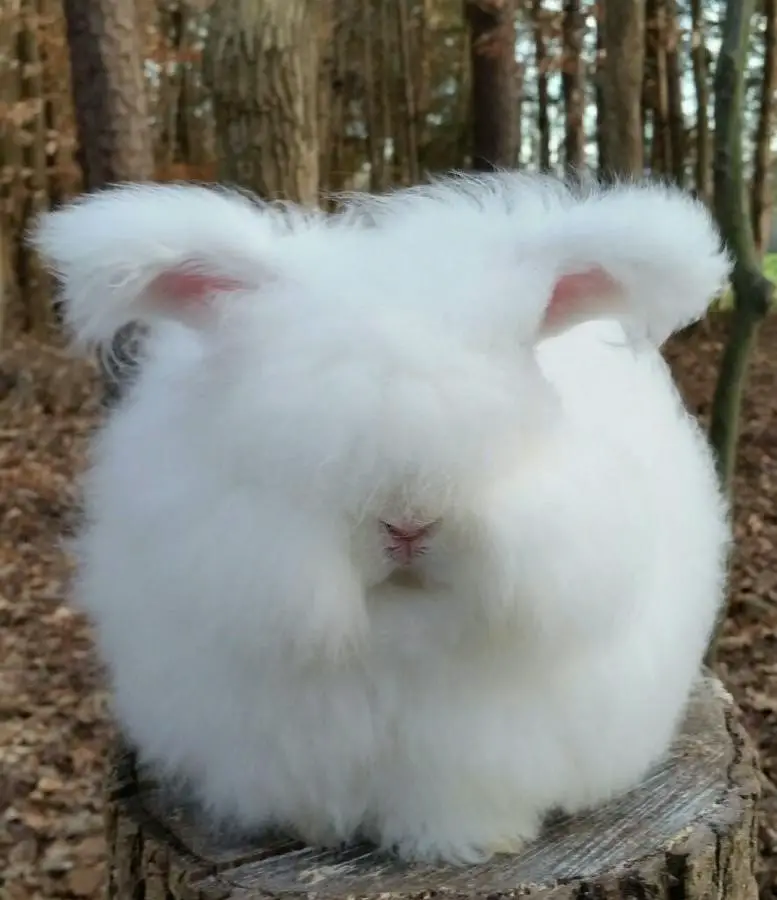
x=408 y=532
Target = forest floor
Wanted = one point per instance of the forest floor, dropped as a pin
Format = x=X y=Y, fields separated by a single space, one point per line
x=53 y=725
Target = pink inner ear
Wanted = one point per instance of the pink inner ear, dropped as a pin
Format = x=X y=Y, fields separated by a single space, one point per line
x=578 y=296
x=184 y=286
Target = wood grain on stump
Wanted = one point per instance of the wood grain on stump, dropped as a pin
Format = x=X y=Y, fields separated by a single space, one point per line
x=688 y=832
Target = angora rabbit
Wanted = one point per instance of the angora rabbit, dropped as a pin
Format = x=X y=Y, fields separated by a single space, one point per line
x=403 y=532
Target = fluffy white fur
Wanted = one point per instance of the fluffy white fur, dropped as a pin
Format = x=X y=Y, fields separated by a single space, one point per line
x=399 y=359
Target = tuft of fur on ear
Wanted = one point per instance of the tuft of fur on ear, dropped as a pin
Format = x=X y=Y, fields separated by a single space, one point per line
x=648 y=253
x=141 y=252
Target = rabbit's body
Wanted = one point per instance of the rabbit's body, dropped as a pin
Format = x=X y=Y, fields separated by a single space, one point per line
x=264 y=642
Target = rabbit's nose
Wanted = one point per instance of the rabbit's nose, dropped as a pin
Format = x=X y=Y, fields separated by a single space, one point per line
x=409 y=531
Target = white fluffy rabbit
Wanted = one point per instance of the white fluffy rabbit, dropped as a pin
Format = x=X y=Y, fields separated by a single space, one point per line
x=402 y=532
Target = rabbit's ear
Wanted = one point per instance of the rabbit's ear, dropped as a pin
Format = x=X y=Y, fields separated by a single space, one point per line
x=144 y=252
x=648 y=254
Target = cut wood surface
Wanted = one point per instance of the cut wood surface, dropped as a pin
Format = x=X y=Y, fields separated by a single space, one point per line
x=688 y=832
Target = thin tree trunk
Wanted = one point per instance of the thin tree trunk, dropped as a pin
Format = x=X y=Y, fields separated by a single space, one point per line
x=600 y=75
x=109 y=92
x=4 y=280
x=324 y=98
x=398 y=97
x=386 y=106
x=493 y=98
x=410 y=105
x=180 y=134
x=423 y=78
x=170 y=105
x=36 y=310
x=520 y=78
x=262 y=67
x=752 y=291
x=761 y=202
x=657 y=96
x=624 y=48
x=674 y=69
x=703 y=165
x=572 y=82
x=368 y=73
x=337 y=108
x=464 y=114
x=12 y=188
x=541 y=61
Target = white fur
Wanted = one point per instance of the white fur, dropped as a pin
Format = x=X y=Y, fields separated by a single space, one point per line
x=384 y=362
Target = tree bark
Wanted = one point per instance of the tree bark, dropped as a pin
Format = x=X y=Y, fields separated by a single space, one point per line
x=409 y=101
x=541 y=61
x=109 y=92
x=4 y=280
x=601 y=74
x=387 y=110
x=761 y=202
x=624 y=49
x=325 y=80
x=261 y=64
x=688 y=831
x=36 y=311
x=674 y=70
x=493 y=100
x=375 y=148
x=657 y=95
x=337 y=104
x=572 y=84
x=703 y=165
x=752 y=290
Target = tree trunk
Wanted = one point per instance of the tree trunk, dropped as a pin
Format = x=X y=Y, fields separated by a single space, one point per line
x=36 y=310
x=601 y=74
x=752 y=290
x=493 y=98
x=762 y=164
x=656 y=93
x=572 y=83
x=109 y=92
x=261 y=64
x=112 y=122
x=11 y=185
x=387 y=110
x=409 y=103
x=520 y=80
x=4 y=280
x=624 y=49
x=703 y=166
x=425 y=45
x=375 y=147
x=688 y=831
x=674 y=70
x=541 y=61
x=325 y=81
x=337 y=104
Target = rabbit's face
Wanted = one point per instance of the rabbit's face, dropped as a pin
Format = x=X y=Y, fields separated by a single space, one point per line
x=380 y=416
x=383 y=414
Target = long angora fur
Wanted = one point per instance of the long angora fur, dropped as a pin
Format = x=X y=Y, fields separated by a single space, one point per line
x=481 y=353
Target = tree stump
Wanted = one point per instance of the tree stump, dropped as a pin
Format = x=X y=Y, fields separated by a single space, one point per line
x=688 y=832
